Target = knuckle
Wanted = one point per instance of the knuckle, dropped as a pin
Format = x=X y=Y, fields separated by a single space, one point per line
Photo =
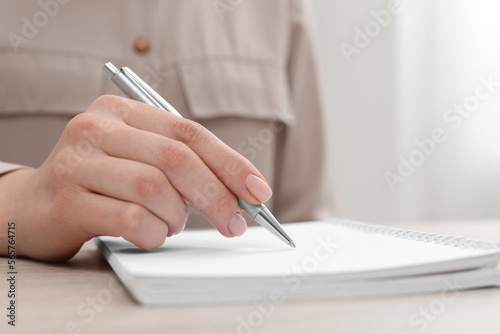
x=150 y=186
x=111 y=103
x=108 y=102
x=134 y=218
x=106 y=99
x=82 y=135
x=232 y=177
x=189 y=132
x=82 y=122
x=224 y=202
x=135 y=222
x=175 y=156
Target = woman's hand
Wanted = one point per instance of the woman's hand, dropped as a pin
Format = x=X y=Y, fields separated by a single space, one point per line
x=127 y=169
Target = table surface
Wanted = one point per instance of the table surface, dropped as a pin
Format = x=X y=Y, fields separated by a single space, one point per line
x=85 y=296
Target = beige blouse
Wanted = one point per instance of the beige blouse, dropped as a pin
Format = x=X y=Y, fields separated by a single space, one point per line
x=244 y=69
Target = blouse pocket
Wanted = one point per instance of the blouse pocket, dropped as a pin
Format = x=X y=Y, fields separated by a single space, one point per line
x=216 y=89
x=45 y=83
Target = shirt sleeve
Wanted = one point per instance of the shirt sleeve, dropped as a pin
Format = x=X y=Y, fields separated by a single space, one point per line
x=305 y=190
x=6 y=167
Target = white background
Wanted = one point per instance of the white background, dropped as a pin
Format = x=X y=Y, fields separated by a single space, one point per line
x=429 y=57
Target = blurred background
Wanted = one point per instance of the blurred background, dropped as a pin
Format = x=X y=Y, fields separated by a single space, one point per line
x=413 y=93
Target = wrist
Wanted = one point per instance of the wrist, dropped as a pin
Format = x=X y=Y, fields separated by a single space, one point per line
x=12 y=195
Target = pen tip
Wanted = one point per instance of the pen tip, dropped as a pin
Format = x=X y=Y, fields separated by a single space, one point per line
x=292 y=244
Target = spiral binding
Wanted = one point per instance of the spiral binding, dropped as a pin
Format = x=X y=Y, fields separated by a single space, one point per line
x=434 y=238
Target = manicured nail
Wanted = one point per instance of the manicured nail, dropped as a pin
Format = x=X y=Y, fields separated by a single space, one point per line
x=237 y=225
x=258 y=188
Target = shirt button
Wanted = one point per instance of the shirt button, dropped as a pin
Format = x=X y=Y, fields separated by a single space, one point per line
x=142 y=45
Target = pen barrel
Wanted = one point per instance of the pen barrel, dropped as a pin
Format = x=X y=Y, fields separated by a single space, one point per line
x=135 y=88
x=133 y=91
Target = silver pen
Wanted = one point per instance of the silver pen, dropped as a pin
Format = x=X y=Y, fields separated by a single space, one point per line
x=135 y=88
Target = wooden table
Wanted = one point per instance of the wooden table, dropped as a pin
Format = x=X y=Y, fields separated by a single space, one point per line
x=84 y=296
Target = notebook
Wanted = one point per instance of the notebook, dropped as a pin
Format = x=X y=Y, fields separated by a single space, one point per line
x=335 y=258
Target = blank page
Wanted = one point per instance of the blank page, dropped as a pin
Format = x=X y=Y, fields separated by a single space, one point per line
x=338 y=248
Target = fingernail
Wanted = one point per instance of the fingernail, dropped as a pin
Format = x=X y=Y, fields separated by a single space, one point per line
x=237 y=225
x=258 y=188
